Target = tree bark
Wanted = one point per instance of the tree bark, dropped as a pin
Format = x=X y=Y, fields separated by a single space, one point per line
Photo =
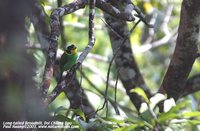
x=185 y=51
x=78 y=99
x=128 y=69
x=192 y=85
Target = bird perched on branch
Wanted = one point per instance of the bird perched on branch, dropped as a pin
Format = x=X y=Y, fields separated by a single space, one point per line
x=67 y=60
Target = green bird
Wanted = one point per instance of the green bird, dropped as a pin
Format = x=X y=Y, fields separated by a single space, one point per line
x=67 y=60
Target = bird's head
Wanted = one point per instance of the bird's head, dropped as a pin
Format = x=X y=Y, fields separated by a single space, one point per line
x=71 y=49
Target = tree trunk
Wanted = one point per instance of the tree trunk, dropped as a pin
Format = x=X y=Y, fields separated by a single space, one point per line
x=185 y=52
x=129 y=72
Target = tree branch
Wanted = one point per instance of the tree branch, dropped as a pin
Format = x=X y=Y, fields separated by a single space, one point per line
x=185 y=52
x=125 y=62
x=65 y=83
x=192 y=85
x=40 y=25
x=62 y=34
x=55 y=32
x=127 y=14
x=78 y=98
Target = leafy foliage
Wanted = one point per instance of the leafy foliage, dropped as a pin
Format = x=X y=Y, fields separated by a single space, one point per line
x=176 y=118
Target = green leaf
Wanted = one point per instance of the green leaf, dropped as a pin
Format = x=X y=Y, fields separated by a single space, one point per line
x=78 y=122
x=194 y=122
x=191 y=114
x=140 y=92
x=167 y=116
x=139 y=121
x=99 y=124
x=179 y=106
x=128 y=128
x=82 y=124
x=64 y=118
x=147 y=117
x=60 y=109
x=79 y=112
x=111 y=119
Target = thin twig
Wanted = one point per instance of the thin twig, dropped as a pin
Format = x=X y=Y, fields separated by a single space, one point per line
x=110 y=64
x=167 y=38
x=98 y=90
x=82 y=25
x=114 y=31
x=81 y=90
x=141 y=16
x=116 y=109
x=97 y=72
x=62 y=33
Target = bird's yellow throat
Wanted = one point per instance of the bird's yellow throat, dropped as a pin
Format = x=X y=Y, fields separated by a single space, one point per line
x=74 y=51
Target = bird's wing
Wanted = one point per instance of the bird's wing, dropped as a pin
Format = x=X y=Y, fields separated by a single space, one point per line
x=63 y=61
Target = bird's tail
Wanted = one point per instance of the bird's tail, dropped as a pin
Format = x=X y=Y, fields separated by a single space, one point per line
x=60 y=77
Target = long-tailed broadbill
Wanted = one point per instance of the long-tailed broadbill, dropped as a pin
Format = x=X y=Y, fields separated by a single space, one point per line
x=67 y=60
